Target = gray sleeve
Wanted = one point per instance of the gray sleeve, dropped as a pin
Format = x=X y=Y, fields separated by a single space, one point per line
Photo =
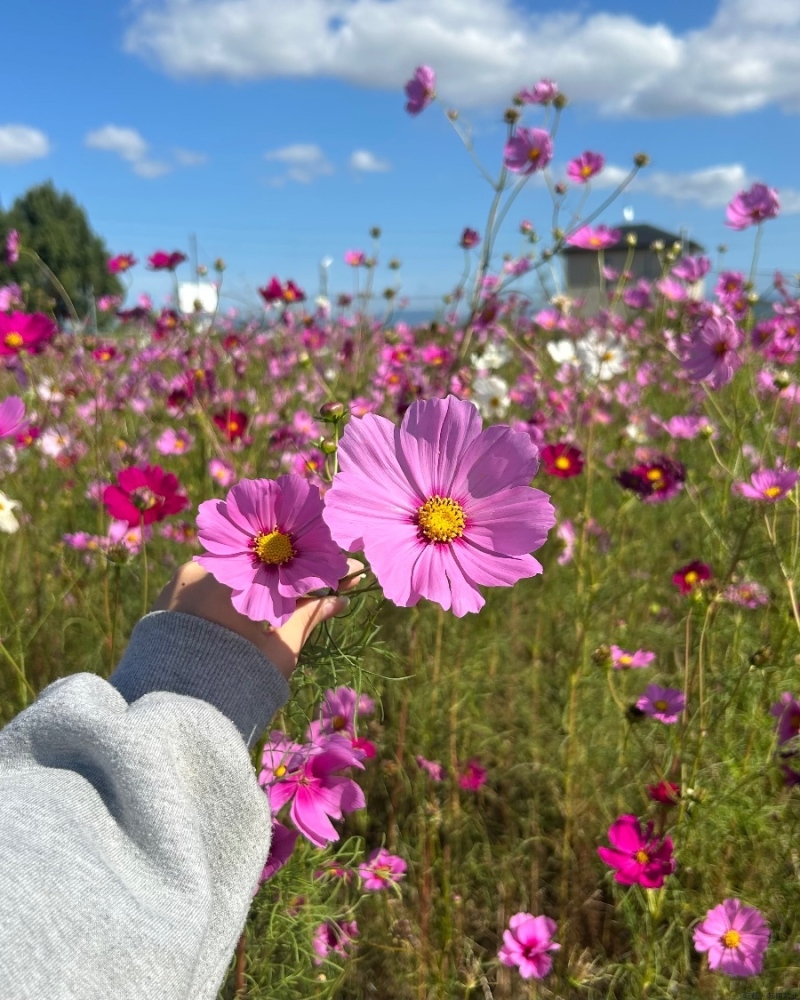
x=132 y=827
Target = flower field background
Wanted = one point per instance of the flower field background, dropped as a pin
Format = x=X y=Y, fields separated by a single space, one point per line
x=586 y=789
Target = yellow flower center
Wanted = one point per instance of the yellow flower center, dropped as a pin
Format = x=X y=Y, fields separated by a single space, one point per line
x=691 y=577
x=289 y=295
x=441 y=519
x=625 y=660
x=534 y=154
x=654 y=474
x=661 y=705
x=731 y=939
x=562 y=462
x=595 y=241
x=642 y=857
x=339 y=722
x=280 y=770
x=13 y=339
x=274 y=549
x=772 y=491
x=586 y=170
x=179 y=444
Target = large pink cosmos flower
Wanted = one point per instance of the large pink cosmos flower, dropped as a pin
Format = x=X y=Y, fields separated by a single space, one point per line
x=12 y=416
x=420 y=90
x=585 y=166
x=143 y=495
x=735 y=937
x=267 y=542
x=638 y=856
x=528 y=150
x=526 y=944
x=768 y=485
x=305 y=777
x=594 y=239
x=712 y=355
x=21 y=333
x=750 y=207
x=439 y=506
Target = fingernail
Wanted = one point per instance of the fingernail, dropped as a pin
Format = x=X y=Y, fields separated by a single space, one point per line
x=336 y=605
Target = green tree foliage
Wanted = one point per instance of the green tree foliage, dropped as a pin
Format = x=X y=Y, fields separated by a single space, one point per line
x=56 y=228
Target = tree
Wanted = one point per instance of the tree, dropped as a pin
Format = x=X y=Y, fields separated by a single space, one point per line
x=56 y=228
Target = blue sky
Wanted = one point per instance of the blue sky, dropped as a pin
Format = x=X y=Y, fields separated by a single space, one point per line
x=275 y=129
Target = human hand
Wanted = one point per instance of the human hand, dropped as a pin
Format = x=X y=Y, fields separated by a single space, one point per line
x=194 y=591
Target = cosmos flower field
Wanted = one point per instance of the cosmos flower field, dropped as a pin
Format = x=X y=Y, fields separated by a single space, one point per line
x=549 y=750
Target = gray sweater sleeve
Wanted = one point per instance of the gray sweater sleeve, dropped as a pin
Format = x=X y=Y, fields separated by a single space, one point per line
x=132 y=827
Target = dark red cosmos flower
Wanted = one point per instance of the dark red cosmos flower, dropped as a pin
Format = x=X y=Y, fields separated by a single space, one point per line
x=167 y=323
x=654 y=481
x=562 y=460
x=232 y=423
x=275 y=292
x=134 y=315
x=104 y=353
x=21 y=333
x=144 y=495
x=665 y=792
x=689 y=576
x=469 y=238
x=163 y=261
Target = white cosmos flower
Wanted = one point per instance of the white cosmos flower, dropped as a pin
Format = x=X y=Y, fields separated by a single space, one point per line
x=600 y=357
x=494 y=356
x=8 y=521
x=490 y=395
x=562 y=351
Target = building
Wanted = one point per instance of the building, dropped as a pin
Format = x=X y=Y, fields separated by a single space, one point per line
x=583 y=274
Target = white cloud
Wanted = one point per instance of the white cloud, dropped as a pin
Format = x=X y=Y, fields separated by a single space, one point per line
x=125 y=142
x=189 y=158
x=305 y=163
x=746 y=57
x=150 y=169
x=362 y=159
x=20 y=143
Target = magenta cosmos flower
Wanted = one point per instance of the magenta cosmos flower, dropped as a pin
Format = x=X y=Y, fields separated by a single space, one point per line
x=621 y=659
x=691 y=575
x=598 y=238
x=438 y=506
x=25 y=334
x=335 y=938
x=712 y=355
x=420 y=89
x=143 y=495
x=638 y=857
x=121 y=263
x=382 y=870
x=664 y=704
x=768 y=485
x=750 y=207
x=12 y=415
x=267 y=542
x=163 y=261
x=12 y=247
x=528 y=150
x=473 y=776
x=735 y=937
x=563 y=460
x=280 y=850
x=585 y=166
x=527 y=944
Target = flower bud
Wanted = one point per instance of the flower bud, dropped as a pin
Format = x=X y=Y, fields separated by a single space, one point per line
x=631 y=239
x=452 y=114
x=219 y=265
x=375 y=232
x=641 y=160
x=511 y=116
x=558 y=234
x=722 y=248
x=394 y=264
x=389 y=294
x=561 y=188
x=762 y=657
x=328 y=447
x=657 y=245
x=560 y=101
x=332 y=410
x=601 y=657
x=782 y=380
x=202 y=270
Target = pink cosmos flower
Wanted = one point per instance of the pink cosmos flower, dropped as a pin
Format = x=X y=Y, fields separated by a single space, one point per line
x=438 y=506
x=750 y=207
x=381 y=870
x=712 y=356
x=473 y=776
x=144 y=495
x=664 y=704
x=163 y=261
x=566 y=535
x=469 y=238
x=526 y=944
x=599 y=238
x=747 y=594
x=354 y=257
x=787 y=712
x=306 y=778
x=280 y=850
x=338 y=713
x=121 y=263
x=621 y=659
x=585 y=166
x=690 y=576
x=638 y=856
x=12 y=247
x=692 y=269
x=432 y=768
x=543 y=92
x=25 y=334
x=173 y=442
x=334 y=937
x=420 y=90
x=735 y=937
x=10 y=296
x=768 y=485
x=12 y=415
x=528 y=150
x=268 y=542
x=221 y=472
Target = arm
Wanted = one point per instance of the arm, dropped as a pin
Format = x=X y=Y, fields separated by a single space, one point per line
x=132 y=827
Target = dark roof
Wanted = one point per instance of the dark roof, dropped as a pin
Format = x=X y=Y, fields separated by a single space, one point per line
x=645 y=235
